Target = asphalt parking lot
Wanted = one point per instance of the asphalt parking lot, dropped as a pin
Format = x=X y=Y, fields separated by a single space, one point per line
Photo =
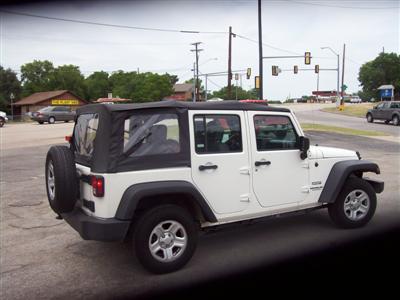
x=42 y=257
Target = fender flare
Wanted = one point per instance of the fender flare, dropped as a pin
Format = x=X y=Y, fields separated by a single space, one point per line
x=339 y=174
x=137 y=192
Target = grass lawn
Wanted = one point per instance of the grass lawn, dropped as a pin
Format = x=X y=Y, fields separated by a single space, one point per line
x=354 y=110
x=343 y=130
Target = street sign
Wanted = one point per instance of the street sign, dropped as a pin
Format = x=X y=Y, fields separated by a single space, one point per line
x=316 y=69
x=296 y=69
x=307 y=58
x=248 y=73
x=386 y=93
x=257 y=82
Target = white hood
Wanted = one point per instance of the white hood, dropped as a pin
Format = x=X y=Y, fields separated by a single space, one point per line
x=330 y=152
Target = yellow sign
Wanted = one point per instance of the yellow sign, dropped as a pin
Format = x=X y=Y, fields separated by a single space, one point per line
x=64 y=102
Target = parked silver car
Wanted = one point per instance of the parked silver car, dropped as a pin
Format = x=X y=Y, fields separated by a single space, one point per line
x=52 y=114
x=386 y=111
x=3 y=118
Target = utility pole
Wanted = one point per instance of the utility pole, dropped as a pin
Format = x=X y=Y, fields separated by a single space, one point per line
x=197 y=88
x=205 y=85
x=342 y=92
x=260 y=53
x=194 y=82
x=338 y=76
x=229 y=91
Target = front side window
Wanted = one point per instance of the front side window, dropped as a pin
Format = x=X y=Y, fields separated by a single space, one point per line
x=151 y=134
x=274 y=133
x=217 y=134
x=85 y=133
x=380 y=106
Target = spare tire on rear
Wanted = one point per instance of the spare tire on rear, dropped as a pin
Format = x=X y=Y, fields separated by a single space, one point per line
x=61 y=179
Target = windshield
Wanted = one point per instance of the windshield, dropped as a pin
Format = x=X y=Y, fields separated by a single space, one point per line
x=48 y=108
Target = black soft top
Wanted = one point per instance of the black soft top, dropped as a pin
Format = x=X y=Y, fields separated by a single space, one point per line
x=220 y=105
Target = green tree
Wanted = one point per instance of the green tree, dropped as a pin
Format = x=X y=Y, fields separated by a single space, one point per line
x=384 y=69
x=9 y=84
x=36 y=77
x=68 y=77
x=241 y=93
x=142 y=87
x=97 y=85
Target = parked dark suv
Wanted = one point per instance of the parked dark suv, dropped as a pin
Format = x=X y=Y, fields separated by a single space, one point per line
x=386 y=111
x=52 y=114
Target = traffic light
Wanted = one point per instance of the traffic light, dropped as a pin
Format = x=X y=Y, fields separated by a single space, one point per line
x=274 y=70
x=248 y=73
x=307 y=58
x=236 y=76
x=296 y=69
x=257 y=82
x=316 y=69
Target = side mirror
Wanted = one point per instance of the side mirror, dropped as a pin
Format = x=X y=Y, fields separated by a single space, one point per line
x=304 y=146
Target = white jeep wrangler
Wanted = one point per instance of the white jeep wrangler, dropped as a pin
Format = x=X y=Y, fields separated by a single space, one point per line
x=160 y=172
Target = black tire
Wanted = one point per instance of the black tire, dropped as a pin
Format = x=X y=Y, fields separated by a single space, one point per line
x=2 y=122
x=63 y=197
x=144 y=227
x=40 y=122
x=370 y=118
x=396 y=120
x=387 y=121
x=52 y=120
x=337 y=209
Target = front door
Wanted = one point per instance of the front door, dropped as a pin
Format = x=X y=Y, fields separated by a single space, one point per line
x=280 y=176
x=220 y=159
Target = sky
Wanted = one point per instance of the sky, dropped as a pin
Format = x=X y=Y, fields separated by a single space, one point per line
x=289 y=27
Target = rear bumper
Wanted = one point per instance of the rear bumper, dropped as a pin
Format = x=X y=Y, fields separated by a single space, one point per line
x=92 y=228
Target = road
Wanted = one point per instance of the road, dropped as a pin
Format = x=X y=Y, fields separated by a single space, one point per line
x=42 y=257
x=312 y=113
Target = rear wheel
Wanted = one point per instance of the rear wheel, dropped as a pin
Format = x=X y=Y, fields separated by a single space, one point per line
x=165 y=238
x=396 y=120
x=40 y=122
x=52 y=120
x=2 y=122
x=370 y=119
x=355 y=204
x=61 y=180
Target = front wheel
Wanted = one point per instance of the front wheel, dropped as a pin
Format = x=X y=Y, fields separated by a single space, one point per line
x=52 y=120
x=370 y=119
x=355 y=205
x=396 y=120
x=165 y=238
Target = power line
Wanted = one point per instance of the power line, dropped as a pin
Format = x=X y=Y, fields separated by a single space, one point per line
x=109 y=25
x=339 y=6
x=267 y=45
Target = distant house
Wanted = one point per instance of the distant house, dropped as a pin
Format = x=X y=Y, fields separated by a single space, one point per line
x=182 y=92
x=40 y=100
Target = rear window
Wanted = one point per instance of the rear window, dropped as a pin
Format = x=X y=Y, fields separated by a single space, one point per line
x=85 y=133
x=151 y=134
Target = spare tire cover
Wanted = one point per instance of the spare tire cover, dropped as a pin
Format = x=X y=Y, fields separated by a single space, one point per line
x=61 y=179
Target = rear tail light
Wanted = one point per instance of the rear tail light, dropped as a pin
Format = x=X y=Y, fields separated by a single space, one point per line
x=97 y=183
x=68 y=138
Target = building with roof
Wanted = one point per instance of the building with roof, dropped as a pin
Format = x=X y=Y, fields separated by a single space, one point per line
x=40 y=100
x=182 y=92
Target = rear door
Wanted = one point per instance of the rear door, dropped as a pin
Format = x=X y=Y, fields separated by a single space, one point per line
x=220 y=159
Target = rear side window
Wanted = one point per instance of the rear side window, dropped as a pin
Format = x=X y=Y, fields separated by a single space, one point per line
x=151 y=134
x=395 y=105
x=274 y=133
x=85 y=133
x=217 y=134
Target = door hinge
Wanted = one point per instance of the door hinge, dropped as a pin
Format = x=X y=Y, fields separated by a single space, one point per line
x=305 y=189
x=244 y=171
x=245 y=198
